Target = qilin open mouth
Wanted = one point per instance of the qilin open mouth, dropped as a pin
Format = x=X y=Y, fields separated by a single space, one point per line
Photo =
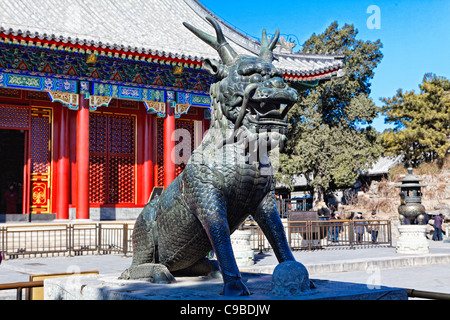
x=269 y=106
x=267 y=114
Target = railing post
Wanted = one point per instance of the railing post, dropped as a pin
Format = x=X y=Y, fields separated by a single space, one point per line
x=19 y=294
x=2 y=245
x=125 y=239
x=261 y=240
x=5 y=245
x=289 y=231
x=69 y=238
x=351 y=230
x=99 y=237
x=389 y=225
x=309 y=234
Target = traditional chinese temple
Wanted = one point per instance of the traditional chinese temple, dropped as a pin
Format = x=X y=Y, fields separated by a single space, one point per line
x=91 y=93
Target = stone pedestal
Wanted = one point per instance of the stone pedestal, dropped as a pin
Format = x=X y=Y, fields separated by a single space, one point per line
x=240 y=241
x=109 y=287
x=412 y=240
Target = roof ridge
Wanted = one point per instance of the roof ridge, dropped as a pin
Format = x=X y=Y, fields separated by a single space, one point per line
x=229 y=31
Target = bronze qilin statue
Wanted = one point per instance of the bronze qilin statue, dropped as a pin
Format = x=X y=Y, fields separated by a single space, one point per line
x=227 y=178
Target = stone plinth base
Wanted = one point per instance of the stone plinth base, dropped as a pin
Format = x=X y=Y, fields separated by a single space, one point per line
x=412 y=239
x=108 y=287
x=19 y=217
x=243 y=252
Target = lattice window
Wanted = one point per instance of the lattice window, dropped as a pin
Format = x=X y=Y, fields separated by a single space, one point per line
x=179 y=124
x=112 y=159
x=40 y=136
x=121 y=165
x=14 y=117
x=189 y=126
x=160 y=151
x=97 y=179
x=38 y=95
x=121 y=137
x=97 y=133
x=121 y=180
x=10 y=93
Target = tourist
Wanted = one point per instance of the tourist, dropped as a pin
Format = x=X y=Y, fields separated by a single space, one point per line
x=11 y=199
x=335 y=227
x=374 y=226
x=437 y=235
x=360 y=227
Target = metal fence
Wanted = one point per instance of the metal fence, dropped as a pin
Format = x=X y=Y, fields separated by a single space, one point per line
x=106 y=238
x=65 y=239
x=310 y=235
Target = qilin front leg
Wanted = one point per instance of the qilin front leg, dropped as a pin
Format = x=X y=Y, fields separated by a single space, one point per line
x=270 y=223
x=212 y=213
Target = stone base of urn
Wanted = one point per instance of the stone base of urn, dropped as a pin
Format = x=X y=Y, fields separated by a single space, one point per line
x=240 y=241
x=412 y=240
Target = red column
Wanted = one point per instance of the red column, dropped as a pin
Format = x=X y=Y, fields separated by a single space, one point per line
x=83 y=159
x=27 y=175
x=205 y=125
x=62 y=205
x=148 y=156
x=169 y=146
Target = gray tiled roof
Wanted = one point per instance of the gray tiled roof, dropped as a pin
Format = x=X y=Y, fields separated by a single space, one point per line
x=145 y=26
x=383 y=165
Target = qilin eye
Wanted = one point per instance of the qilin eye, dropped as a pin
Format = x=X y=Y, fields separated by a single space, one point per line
x=256 y=78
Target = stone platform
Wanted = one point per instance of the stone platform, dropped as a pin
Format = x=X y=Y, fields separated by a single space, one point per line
x=16 y=217
x=109 y=287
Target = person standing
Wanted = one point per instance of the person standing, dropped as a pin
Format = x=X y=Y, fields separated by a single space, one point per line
x=374 y=226
x=11 y=199
x=360 y=227
x=335 y=227
x=437 y=235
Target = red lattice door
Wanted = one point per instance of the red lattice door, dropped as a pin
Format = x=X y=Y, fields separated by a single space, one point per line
x=112 y=159
x=40 y=160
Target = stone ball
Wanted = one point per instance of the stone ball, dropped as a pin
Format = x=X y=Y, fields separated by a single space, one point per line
x=290 y=278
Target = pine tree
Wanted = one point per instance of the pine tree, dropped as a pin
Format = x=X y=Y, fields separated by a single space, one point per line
x=422 y=122
x=330 y=137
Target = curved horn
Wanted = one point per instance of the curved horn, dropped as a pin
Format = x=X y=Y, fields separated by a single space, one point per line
x=226 y=53
x=267 y=48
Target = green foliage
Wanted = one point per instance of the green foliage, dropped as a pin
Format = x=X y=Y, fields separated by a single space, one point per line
x=326 y=141
x=422 y=122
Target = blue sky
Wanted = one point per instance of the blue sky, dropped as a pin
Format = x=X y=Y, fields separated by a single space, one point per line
x=415 y=34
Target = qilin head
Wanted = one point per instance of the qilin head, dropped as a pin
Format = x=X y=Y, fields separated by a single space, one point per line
x=249 y=94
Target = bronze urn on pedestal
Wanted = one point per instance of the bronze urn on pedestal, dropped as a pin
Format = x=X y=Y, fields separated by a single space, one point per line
x=411 y=210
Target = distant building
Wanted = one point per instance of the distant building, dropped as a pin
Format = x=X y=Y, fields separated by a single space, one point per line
x=382 y=166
